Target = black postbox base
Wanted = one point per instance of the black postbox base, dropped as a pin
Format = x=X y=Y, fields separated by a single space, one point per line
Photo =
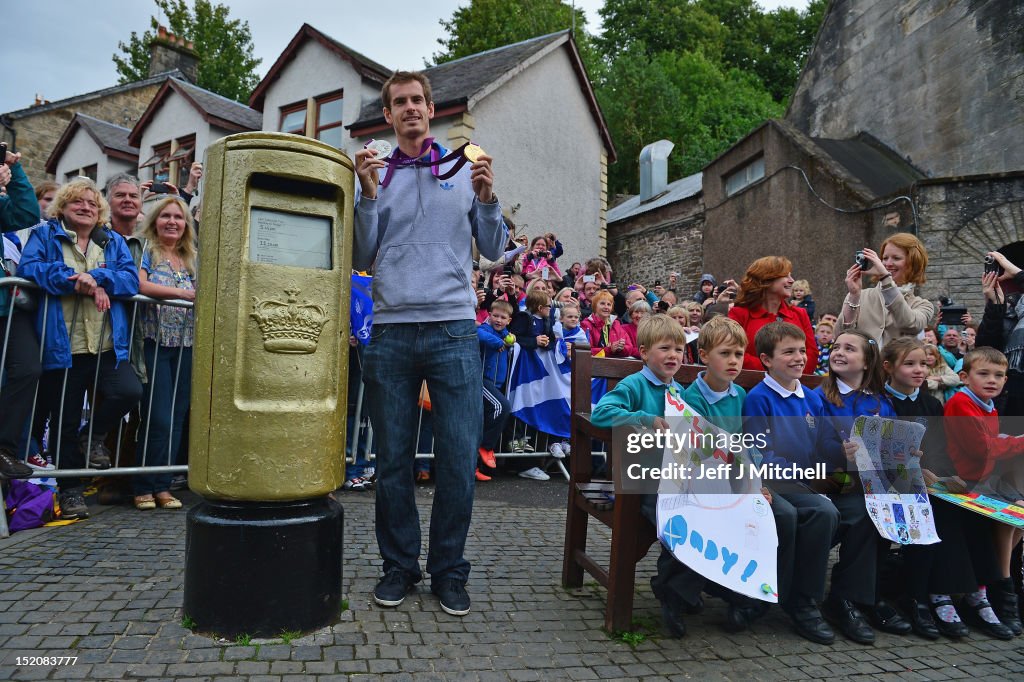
x=262 y=568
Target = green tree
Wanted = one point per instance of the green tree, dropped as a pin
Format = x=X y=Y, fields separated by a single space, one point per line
x=487 y=24
x=684 y=97
x=224 y=45
x=735 y=33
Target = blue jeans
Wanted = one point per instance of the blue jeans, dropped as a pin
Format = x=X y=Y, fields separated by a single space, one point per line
x=164 y=427
x=399 y=358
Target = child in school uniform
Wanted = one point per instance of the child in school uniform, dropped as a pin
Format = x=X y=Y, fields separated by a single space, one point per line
x=495 y=343
x=965 y=557
x=992 y=462
x=721 y=345
x=854 y=387
x=789 y=418
x=639 y=400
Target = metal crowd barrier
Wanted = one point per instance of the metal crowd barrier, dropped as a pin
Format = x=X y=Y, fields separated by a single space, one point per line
x=519 y=432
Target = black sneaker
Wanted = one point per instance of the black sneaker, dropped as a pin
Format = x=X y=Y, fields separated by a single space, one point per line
x=453 y=595
x=393 y=588
x=12 y=467
x=72 y=506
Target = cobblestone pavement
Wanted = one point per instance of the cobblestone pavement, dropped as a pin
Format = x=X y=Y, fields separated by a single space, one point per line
x=109 y=591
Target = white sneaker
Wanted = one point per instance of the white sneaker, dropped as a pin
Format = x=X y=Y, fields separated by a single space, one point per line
x=565 y=448
x=534 y=473
x=556 y=451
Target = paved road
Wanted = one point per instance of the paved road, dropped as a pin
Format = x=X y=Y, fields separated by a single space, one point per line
x=109 y=591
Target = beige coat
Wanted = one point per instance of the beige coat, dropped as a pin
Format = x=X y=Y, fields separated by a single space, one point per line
x=907 y=316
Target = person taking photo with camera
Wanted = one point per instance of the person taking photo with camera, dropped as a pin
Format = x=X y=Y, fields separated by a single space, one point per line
x=890 y=309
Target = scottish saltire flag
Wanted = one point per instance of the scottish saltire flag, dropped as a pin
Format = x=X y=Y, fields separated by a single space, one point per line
x=540 y=387
x=361 y=310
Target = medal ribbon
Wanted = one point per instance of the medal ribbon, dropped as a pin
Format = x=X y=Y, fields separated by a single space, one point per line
x=401 y=159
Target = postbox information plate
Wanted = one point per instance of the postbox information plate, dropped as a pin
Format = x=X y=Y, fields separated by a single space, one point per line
x=281 y=238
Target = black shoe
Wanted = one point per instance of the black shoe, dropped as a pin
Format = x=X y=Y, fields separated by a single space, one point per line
x=853 y=624
x=1004 y=603
x=997 y=630
x=883 y=616
x=809 y=623
x=97 y=453
x=742 y=613
x=12 y=467
x=672 y=617
x=72 y=506
x=393 y=588
x=453 y=595
x=955 y=630
x=921 y=621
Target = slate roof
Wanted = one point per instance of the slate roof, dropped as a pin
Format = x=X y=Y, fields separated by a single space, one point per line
x=96 y=94
x=687 y=187
x=455 y=82
x=215 y=109
x=881 y=169
x=112 y=139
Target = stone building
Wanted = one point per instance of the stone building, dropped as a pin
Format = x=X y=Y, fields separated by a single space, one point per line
x=902 y=106
x=35 y=131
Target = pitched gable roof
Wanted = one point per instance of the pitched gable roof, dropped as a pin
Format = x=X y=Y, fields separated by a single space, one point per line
x=112 y=139
x=215 y=109
x=96 y=94
x=364 y=66
x=459 y=84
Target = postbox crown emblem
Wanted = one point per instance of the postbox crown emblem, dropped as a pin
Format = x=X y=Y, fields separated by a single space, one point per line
x=290 y=327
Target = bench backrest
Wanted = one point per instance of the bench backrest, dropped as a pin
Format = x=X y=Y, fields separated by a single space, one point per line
x=586 y=367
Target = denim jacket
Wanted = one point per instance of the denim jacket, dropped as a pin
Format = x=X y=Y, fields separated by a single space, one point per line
x=43 y=262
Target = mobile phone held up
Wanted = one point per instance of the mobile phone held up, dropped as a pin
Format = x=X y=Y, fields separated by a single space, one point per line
x=159 y=188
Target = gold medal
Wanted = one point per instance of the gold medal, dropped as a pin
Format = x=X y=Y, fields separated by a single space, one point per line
x=473 y=152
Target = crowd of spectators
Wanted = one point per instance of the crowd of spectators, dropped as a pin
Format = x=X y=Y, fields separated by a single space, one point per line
x=78 y=344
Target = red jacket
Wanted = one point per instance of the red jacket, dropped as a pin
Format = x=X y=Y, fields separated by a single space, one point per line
x=973 y=440
x=593 y=326
x=753 y=319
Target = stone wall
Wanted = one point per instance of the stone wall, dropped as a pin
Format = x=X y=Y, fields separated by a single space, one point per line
x=939 y=82
x=651 y=245
x=961 y=219
x=38 y=133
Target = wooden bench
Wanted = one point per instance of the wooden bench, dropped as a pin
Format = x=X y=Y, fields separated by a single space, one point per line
x=632 y=534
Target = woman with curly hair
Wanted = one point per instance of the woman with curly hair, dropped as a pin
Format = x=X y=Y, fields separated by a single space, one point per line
x=766 y=287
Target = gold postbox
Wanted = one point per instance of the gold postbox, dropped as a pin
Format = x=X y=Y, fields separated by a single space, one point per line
x=270 y=360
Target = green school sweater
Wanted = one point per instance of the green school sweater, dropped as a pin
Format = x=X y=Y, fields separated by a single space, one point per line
x=725 y=413
x=636 y=400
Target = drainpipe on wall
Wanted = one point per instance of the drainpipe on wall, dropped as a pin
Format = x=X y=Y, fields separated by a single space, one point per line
x=8 y=122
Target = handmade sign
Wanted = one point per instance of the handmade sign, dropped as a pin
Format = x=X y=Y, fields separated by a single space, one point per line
x=720 y=526
x=894 y=490
x=992 y=507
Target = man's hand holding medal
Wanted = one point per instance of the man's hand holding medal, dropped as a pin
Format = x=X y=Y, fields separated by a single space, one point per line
x=374 y=156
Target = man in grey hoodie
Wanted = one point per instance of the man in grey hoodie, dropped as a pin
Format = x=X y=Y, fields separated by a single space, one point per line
x=416 y=230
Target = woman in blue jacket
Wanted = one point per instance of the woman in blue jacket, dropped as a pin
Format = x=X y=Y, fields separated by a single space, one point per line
x=82 y=265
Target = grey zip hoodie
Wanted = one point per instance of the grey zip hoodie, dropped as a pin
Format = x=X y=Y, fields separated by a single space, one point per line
x=417 y=235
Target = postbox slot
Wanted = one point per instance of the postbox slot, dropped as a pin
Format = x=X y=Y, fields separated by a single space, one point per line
x=300 y=188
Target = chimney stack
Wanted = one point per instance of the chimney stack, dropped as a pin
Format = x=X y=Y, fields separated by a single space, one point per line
x=654 y=169
x=168 y=52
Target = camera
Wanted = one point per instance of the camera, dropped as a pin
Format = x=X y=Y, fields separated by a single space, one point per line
x=508 y=269
x=159 y=188
x=861 y=260
x=546 y=254
x=575 y=295
x=589 y=278
x=657 y=282
x=951 y=312
x=992 y=266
